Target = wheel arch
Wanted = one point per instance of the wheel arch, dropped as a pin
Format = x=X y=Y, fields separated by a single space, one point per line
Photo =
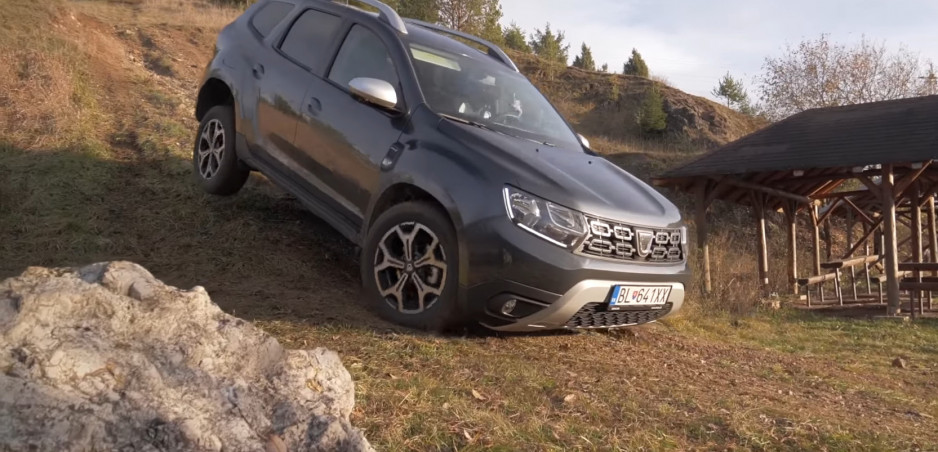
x=213 y=92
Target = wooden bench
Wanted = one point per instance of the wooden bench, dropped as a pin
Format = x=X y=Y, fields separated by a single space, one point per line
x=819 y=281
x=916 y=284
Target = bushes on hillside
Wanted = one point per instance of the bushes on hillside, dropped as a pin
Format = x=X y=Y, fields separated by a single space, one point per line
x=651 y=117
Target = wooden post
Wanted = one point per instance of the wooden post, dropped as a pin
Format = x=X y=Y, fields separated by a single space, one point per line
x=853 y=270
x=933 y=237
x=891 y=249
x=817 y=240
x=828 y=239
x=791 y=214
x=758 y=203
x=866 y=267
x=916 y=201
x=703 y=232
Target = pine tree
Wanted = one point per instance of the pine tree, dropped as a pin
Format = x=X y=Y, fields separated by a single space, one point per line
x=585 y=59
x=515 y=40
x=636 y=65
x=651 y=117
x=732 y=90
x=550 y=46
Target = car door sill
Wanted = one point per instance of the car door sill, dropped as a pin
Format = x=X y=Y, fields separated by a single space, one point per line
x=308 y=197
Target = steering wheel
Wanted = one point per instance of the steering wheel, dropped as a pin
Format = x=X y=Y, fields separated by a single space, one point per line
x=508 y=119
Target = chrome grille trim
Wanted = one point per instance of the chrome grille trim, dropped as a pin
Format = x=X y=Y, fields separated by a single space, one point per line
x=618 y=241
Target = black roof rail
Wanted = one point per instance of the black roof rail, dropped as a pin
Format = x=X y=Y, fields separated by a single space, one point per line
x=493 y=50
x=385 y=13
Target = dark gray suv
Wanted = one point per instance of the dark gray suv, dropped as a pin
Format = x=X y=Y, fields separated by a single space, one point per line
x=472 y=199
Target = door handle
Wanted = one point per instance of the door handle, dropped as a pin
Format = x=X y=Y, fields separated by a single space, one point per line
x=258 y=71
x=314 y=106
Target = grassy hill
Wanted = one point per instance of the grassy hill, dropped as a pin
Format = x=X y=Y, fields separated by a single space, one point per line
x=96 y=101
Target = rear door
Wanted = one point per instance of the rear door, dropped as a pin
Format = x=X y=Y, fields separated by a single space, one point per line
x=345 y=139
x=262 y=82
x=283 y=79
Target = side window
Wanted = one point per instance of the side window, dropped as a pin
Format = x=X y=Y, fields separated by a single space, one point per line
x=363 y=55
x=269 y=16
x=308 y=40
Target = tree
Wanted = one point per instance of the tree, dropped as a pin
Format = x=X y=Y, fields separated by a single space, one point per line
x=550 y=46
x=651 y=117
x=732 y=90
x=585 y=59
x=477 y=17
x=820 y=73
x=515 y=40
x=425 y=10
x=636 y=65
x=605 y=68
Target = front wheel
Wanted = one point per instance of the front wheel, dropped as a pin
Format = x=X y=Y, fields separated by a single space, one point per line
x=409 y=267
x=214 y=158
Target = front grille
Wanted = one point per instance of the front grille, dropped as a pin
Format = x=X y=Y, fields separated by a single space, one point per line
x=614 y=240
x=595 y=315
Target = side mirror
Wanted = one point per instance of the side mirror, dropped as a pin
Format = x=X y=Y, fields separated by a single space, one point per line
x=584 y=141
x=374 y=91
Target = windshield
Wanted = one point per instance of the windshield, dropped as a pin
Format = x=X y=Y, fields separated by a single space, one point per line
x=472 y=87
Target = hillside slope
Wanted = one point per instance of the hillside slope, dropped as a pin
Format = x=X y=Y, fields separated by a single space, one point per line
x=96 y=129
x=605 y=105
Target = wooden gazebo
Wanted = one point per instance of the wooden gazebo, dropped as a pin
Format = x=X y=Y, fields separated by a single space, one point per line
x=869 y=163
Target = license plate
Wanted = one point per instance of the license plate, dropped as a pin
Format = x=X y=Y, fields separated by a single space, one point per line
x=626 y=296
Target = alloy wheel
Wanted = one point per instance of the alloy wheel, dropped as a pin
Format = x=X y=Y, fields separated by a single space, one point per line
x=211 y=149
x=410 y=268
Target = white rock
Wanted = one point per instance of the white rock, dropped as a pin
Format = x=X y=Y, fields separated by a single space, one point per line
x=107 y=357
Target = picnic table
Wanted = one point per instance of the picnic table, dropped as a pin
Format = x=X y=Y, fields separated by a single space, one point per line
x=919 y=285
x=852 y=263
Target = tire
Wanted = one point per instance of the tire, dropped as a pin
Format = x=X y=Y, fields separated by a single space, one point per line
x=214 y=158
x=431 y=276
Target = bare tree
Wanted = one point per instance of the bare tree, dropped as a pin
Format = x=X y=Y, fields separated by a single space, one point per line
x=820 y=73
x=478 y=17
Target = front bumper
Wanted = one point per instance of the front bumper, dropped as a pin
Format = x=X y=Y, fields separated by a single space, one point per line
x=556 y=288
x=583 y=307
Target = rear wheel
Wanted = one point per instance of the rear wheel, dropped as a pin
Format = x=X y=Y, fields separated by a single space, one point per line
x=410 y=267
x=214 y=158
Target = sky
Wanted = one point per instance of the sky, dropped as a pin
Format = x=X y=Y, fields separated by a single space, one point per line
x=693 y=43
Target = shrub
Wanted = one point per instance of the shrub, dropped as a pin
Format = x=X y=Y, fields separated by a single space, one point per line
x=651 y=116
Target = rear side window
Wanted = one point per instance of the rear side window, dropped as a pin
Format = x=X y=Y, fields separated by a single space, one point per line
x=363 y=54
x=269 y=16
x=308 y=40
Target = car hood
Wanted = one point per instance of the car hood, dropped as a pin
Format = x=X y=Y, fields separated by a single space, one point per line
x=590 y=184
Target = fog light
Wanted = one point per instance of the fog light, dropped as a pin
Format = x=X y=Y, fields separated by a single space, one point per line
x=509 y=307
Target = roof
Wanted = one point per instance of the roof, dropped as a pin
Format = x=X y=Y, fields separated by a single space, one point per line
x=890 y=132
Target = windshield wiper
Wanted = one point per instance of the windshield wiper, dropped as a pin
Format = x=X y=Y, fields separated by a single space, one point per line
x=483 y=126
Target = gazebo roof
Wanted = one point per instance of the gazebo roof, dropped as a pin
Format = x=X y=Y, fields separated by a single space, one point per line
x=811 y=153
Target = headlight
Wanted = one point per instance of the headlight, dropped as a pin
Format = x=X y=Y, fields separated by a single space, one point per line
x=554 y=223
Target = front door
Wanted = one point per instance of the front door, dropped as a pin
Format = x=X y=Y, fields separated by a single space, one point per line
x=345 y=139
x=303 y=50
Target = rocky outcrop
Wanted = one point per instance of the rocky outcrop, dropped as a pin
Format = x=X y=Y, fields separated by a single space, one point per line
x=107 y=357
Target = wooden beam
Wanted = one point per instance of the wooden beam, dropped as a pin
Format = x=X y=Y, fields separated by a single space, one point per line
x=703 y=231
x=866 y=219
x=817 y=239
x=915 y=197
x=866 y=236
x=933 y=236
x=907 y=181
x=791 y=214
x=840 y=194
x=891 y=262
x=758 y=204
x=766 y=190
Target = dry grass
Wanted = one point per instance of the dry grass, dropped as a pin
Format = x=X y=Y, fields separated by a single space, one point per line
x=716 y=377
